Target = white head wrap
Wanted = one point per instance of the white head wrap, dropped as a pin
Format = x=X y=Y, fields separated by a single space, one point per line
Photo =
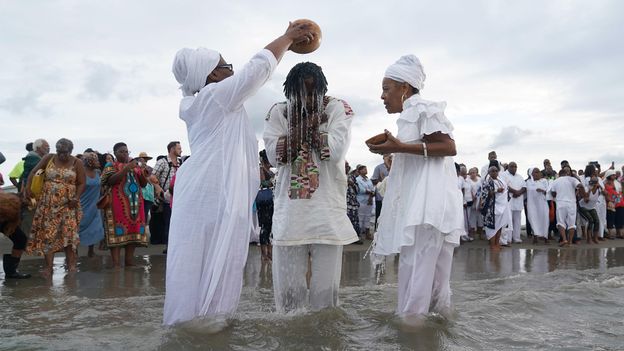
x=530 y=172
x=192 y=67
x=407 y=69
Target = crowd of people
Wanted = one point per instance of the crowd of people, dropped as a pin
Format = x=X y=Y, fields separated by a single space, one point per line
x=66 y=199
x=305 y=197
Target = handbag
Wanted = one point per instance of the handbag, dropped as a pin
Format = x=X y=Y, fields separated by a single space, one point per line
x=36 y=186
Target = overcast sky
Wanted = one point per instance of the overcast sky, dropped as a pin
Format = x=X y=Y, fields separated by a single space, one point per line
x=529 y=79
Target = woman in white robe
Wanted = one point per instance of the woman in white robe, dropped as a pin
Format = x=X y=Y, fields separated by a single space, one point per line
x=215 y=189
x=495 y=206
x=422 y=218
x=310 y=220
x=537 y=206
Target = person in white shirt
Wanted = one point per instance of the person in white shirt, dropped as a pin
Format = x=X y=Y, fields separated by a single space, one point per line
x=422 y=213
x=491 y=157
x=494 y=206
x=587 y=204
x=537 y=206
x=563 y=190
x=307 y=137
x=215 y=189
x=464 y=187
x=517 y=188
x=365 y=196
x=475 y=219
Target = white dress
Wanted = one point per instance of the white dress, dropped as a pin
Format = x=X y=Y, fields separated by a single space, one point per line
x=421 y=194
x=537 y=207
x=214 y=193
x=502 y=213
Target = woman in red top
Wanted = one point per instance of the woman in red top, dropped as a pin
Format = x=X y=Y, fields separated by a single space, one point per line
x=615 y=205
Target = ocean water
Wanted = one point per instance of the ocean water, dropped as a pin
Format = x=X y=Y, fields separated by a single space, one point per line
x=518 y=299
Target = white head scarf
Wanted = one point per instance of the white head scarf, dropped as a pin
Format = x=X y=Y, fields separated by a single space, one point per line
x=407 y=69
x=192 y=67
x=530 y=172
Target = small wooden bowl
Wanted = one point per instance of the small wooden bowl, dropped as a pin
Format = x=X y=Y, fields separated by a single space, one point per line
x=308 y=47
x=377 y=139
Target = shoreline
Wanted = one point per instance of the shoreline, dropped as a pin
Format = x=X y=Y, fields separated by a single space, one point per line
x=6 y=244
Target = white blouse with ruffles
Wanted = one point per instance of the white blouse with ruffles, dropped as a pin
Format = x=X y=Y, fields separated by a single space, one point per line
x=421 y=194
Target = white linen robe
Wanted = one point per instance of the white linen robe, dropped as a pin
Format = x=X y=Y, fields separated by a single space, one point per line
x=537 y=207
x=321 y=219
x=214 y=193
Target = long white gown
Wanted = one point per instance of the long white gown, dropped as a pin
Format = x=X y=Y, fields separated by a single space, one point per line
x=537 y=207
x=214 y=193
x=422 y=217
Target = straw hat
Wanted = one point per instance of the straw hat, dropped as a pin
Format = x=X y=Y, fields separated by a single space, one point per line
x=144 y=156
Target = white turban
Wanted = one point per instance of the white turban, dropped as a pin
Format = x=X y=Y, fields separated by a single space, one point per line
x=192 y=67
x=407 y=69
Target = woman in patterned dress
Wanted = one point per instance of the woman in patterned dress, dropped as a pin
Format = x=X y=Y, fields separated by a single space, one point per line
x=58 y=212
x=124 y=217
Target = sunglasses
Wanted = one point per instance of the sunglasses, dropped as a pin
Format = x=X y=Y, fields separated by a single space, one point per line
x=226 y=65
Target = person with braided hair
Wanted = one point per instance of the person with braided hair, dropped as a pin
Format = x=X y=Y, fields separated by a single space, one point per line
x=306 y=138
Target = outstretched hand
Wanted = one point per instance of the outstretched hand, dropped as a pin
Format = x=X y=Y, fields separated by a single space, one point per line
x=391 y=145
x=299 y=33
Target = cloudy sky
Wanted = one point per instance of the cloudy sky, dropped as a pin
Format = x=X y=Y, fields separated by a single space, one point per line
x=530 y=79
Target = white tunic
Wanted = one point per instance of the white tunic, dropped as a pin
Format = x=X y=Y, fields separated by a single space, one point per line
x=214 y=193
x=421 y=195
x=516 y=182
x=537 y=206
x=322 y=219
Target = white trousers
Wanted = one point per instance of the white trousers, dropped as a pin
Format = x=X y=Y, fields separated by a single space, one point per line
x=516 y=219
x=601 y=209
x=290 y=265
x=424 y=276
x=364 y=214
x=566 y=215
x=475 y=218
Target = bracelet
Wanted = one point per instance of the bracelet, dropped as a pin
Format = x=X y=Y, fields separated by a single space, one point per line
x=424 y=145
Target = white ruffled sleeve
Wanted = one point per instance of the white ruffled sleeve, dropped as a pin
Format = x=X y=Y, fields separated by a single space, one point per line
x=429 y=116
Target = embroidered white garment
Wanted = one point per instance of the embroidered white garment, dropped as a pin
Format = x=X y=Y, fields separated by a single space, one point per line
x=421 y=194
x=214 y=193
x=322 y=219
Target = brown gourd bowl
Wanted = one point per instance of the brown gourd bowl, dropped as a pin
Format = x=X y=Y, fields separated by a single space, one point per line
x=308 y=47
x=377 y=139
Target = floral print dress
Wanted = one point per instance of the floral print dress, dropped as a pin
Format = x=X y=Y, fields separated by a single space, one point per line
x=55 y=225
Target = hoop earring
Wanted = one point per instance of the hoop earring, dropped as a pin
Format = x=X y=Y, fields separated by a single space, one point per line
x=402 y=98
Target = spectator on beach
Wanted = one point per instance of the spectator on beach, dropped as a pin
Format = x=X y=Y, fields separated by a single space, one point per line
x=124 y=216
x=516 y=188
x=587 y=204
x=10 y=209
x=164 y=170
x=548 y=172
x=491 y=157
x=41 y=148
x=148 y=190
x=264 y=206
x=536 y=205
x=475 y=219
x=353 y=204
x=15 y=175
x=91 y=230
x=615 y=205
x=366 y=194
x=563 y=190
x=495 y=208
x=464 y=187
x=57 y=215
x=379 y=174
